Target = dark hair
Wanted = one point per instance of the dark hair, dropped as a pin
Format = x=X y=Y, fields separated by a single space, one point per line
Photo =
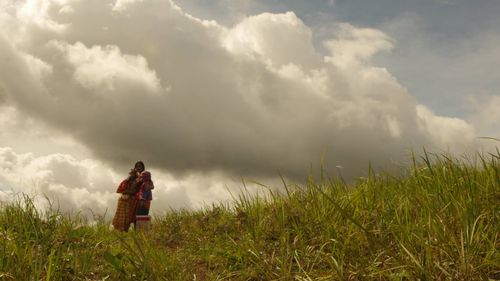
x=140 y=163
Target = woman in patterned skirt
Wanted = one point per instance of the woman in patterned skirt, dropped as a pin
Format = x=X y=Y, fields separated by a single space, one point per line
x=127 y=203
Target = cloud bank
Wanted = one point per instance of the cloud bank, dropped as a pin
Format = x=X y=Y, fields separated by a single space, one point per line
x=144 y=80
x=87 y=187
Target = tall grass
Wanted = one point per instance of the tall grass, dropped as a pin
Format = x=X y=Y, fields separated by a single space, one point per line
x=438 y=220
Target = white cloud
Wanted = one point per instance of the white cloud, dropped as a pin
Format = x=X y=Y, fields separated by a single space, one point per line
x=73 y=185
x=445 y=130
x=269 y=37
x=107 y=68
x=37 y=13
x=121 y=5
x=354 y=45
x=26 y=134
x=485 y=114
x=251 y=100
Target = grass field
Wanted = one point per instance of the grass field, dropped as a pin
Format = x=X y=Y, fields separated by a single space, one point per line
x=437 y=220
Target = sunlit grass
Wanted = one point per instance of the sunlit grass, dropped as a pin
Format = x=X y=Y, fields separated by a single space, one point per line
x=438 y=220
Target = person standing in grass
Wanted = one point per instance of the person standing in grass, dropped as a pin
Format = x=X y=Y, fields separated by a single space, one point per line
x=144 y=196
x=127 y=203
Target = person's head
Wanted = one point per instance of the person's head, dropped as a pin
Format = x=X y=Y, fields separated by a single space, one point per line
x=145 y=176
x=139 y=166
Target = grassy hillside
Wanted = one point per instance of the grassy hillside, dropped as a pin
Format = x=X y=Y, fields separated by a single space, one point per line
x=440 y=220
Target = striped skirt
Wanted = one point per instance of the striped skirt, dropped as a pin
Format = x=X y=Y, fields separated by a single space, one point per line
x=125 y=213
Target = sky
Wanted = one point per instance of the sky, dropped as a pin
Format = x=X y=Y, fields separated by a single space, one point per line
x=211 y=94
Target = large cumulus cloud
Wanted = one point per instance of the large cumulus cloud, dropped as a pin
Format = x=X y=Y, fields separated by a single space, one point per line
x=145 y=80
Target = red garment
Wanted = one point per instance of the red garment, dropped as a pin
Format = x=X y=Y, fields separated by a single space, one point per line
x=146 y=187
x=123 y=186
x=127 y=205
x=121 y=220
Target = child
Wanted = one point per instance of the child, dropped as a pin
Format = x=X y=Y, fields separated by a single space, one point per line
x=144 y=196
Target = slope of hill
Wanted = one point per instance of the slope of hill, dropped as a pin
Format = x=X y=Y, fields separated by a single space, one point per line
x=439 y=220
